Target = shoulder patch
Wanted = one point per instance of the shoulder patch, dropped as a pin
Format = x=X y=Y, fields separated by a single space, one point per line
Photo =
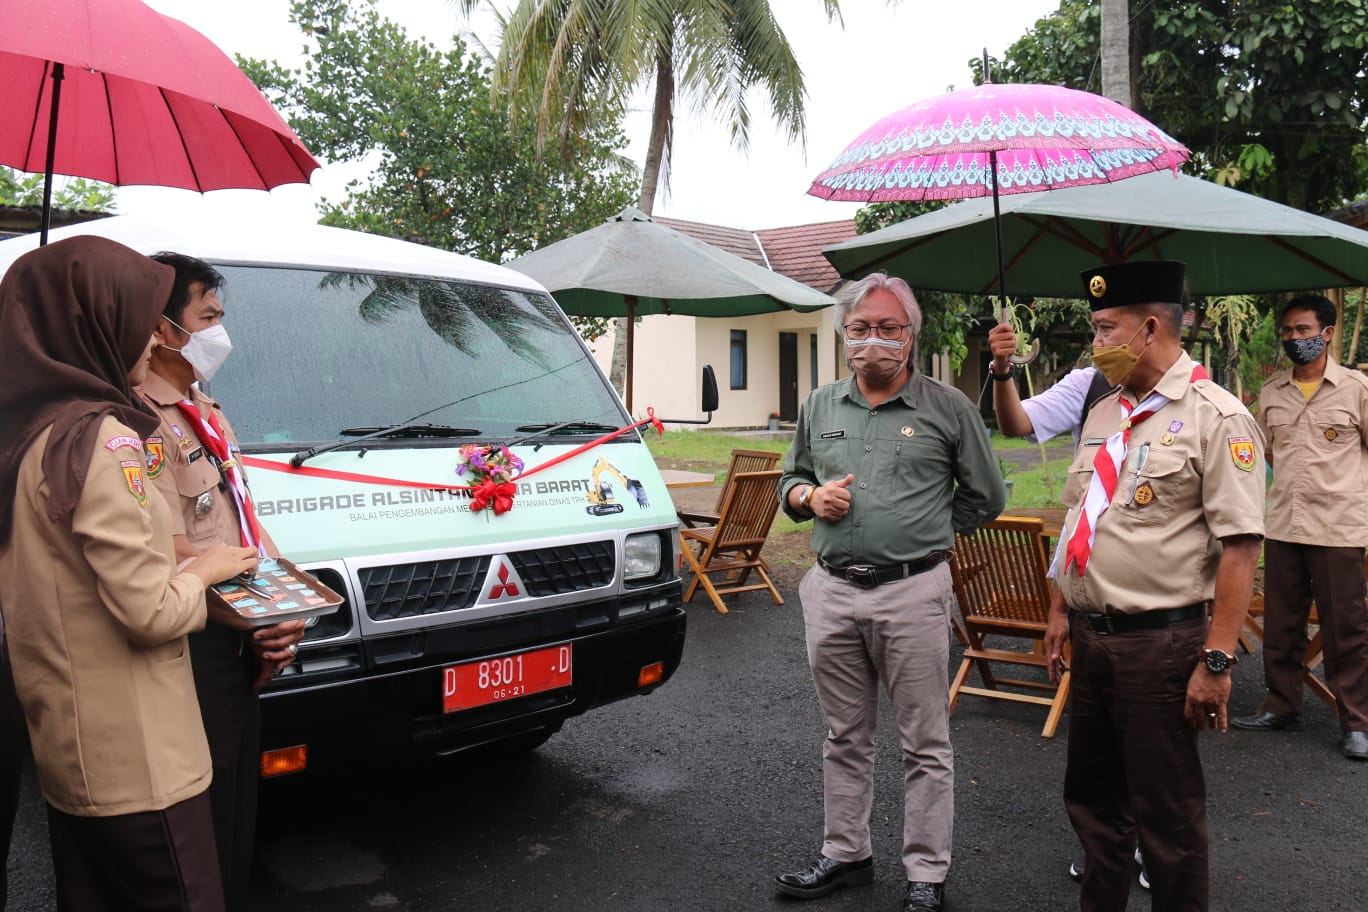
x=123 y=440
x=1242 y=453
x=155 y=452
x=133 y=475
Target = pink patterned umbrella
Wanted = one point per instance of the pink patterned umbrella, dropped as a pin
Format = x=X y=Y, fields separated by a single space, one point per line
x=1042 y=137
x=1030 y=137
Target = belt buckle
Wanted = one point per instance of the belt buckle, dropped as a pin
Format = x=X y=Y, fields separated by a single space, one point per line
x=862 y=575
x=1102 y=624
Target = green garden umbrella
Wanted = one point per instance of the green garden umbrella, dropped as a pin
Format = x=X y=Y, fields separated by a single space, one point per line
x=1232 y=242
x=631 y=266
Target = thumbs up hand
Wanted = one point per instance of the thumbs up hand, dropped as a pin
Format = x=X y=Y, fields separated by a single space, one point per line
x=831 y=501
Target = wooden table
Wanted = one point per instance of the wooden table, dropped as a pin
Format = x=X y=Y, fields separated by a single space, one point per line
x=680 y=478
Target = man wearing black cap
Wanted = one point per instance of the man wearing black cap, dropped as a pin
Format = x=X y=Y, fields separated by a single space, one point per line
x=1169 y=528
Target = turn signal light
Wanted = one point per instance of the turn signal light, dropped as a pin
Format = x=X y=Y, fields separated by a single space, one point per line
x=651 y=674
x=285 y=760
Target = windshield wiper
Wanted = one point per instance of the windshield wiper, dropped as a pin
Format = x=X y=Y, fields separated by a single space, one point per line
x=545 y=430
x=409 y=429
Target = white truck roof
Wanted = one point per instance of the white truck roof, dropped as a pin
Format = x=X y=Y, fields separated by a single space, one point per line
x=240 y=241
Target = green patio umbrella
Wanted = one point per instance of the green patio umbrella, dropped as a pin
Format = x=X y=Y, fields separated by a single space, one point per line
x=1232 y=242
x=631 y=266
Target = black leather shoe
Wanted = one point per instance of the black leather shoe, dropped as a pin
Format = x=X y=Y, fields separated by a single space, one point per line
x=825 y=875
x=1269 y=721
x=1354 y=745
x=924 y=897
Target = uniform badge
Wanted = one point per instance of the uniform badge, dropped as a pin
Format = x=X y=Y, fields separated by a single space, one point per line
x=1175 y=427
x=204 y=503
x=907 y=430
x=1331 y=433
x=155 y=454
x=194 y=454
x=114 y=443
x=1167 y=439
x=1144 y=495
x=182 y=441
x=1242 y=452
x=1097 y=286
x=132 y=470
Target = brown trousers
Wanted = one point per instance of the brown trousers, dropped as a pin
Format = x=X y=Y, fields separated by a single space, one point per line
x=13 y=747
x=156 y=861
x=1294 y=575
x=1133 y=767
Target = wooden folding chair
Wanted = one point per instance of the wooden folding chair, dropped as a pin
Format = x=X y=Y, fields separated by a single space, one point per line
x=732 y=546
x=1002 y=590
x=741 y=461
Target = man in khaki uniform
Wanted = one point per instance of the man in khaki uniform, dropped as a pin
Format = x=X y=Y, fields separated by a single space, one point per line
x=230 y=663
x=1169 y=526
x=1315 y=417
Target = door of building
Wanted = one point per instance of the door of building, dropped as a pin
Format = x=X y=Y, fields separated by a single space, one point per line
x=788 y=376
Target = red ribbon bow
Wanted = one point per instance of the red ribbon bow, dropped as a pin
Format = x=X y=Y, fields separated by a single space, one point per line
x=499 y=493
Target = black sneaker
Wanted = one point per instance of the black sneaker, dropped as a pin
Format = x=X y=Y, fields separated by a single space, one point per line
x=1144 y=873
x=1076 y=866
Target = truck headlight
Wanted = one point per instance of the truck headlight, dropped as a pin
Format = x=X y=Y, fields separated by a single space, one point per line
x=641 y=556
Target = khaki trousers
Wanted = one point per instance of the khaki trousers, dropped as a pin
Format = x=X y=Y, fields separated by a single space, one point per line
x=897 y=633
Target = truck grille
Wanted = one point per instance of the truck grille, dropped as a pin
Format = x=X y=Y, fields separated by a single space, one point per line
x=413 y=590
x=568 y=568
x=431 y=587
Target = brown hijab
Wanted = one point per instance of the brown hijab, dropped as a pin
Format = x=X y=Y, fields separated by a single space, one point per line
x=74 y=318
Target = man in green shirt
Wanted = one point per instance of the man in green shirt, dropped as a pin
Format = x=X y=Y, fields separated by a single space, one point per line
x=890 y=464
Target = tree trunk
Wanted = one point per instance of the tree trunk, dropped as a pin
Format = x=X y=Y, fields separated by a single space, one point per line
x=1116 y=56
x=1352 y=359
x=657 y=164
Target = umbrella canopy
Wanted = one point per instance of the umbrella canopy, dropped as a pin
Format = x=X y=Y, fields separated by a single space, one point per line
x=1231 y=241
x=1032 y=137
x=630 y=266
x=112 y=90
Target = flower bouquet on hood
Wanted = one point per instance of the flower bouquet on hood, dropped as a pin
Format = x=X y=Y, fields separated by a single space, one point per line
x=489 y=469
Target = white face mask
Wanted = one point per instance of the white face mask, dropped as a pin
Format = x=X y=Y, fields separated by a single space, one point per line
x=205 y=350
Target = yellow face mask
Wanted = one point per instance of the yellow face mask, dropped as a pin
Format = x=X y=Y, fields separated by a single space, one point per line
x=1116 y=362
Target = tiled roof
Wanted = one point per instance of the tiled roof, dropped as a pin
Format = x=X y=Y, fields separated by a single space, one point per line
x=795 y=252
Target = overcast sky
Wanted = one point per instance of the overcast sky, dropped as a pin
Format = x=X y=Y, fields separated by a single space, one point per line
x=883 y=60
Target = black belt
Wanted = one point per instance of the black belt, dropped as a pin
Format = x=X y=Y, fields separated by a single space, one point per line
x=867 y=576
x=1109 y=624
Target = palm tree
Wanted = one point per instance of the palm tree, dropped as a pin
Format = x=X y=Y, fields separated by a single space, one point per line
x=572 y=61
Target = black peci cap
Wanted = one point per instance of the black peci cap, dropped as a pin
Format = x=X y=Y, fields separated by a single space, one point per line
x=1138 y=282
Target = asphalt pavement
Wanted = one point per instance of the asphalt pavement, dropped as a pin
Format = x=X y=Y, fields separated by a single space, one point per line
x=692 y=798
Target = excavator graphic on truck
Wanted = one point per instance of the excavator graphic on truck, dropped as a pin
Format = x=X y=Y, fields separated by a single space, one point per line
x=602 y=501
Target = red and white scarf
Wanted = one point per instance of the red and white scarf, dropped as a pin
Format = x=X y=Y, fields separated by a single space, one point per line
x=1106 y=473
x=210 y=433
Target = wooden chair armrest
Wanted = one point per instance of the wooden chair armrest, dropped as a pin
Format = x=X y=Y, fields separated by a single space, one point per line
x=692 y=518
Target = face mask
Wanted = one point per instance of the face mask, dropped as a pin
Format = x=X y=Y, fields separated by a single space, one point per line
x=1304 y=351
x=1116 y=362
x=205 y=350
x=876 y=360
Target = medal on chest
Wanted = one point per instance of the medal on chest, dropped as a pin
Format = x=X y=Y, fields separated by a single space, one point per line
x=204 y=503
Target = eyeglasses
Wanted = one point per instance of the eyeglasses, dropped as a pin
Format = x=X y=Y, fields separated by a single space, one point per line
x=885 y=330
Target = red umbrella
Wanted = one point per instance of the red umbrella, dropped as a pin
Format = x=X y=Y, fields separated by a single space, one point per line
x=115 y=91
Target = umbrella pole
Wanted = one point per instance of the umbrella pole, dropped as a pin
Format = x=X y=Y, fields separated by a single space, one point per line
x=1003 y=315
x=631 y=331
x=58 y=74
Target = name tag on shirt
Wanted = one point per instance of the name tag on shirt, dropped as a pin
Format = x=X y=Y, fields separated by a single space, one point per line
x=194 y=454
x=832 y=435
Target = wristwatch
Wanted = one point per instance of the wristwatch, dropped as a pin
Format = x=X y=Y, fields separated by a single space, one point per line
x=1002 y=378
x=1218 y=661
x=804 y=496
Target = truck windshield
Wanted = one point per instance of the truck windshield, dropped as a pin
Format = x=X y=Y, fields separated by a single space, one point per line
x=316 y=354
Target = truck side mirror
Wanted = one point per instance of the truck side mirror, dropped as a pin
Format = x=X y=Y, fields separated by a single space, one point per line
x=709 y=390
x=708 y=402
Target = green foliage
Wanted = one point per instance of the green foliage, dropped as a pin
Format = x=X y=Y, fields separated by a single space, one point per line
x=881 y=215
x=452 y=171
x=1266 y=93
x=19 y=189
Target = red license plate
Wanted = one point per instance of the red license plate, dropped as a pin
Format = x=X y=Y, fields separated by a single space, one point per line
x=495 y=680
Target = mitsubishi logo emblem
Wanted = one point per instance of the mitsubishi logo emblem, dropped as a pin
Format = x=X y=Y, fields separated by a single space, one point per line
x=507 y=584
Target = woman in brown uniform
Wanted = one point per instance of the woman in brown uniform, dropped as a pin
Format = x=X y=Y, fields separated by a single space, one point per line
x=96 y=613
